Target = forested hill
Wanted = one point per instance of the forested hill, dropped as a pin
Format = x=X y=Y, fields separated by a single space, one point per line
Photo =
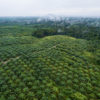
x=37 y=65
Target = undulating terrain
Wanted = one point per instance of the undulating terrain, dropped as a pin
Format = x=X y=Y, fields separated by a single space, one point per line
x=56 y=67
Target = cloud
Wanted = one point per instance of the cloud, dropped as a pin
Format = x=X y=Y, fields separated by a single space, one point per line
x=44 y=7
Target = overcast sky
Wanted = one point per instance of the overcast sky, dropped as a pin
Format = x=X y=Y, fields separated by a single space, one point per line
x=45 y=7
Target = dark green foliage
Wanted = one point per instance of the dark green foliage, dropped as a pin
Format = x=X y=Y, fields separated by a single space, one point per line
x=49 y=68
x=44 y=32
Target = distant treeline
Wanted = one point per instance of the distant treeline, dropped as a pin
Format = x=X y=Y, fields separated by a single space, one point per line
x=74 y=31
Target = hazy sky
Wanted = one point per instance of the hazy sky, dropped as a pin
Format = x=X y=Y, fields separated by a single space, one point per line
x=45 y=7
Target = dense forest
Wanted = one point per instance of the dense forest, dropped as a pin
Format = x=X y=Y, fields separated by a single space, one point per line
x=49 y=58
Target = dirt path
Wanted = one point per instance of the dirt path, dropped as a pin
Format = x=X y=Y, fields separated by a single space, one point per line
x=5 y=62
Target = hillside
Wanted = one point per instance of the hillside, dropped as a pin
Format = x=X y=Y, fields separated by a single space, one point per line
x=50 y=68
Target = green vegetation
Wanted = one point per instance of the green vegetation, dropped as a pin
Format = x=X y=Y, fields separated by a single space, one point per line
x=58 y=67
